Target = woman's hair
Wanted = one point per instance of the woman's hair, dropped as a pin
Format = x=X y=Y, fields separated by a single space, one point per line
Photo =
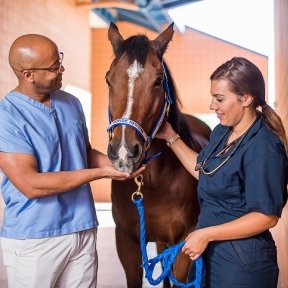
x=243 y=78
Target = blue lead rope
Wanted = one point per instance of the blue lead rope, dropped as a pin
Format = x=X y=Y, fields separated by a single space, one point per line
x=167 y=257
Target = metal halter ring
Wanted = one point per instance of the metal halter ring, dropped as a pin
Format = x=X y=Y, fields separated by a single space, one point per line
x=136 y=194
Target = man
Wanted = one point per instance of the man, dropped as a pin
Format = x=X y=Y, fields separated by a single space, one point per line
x=49 y=231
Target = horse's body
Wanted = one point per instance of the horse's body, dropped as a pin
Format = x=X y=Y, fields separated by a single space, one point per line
x=136 y=92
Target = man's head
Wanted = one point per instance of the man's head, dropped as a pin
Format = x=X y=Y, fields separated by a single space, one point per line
x=35 y=59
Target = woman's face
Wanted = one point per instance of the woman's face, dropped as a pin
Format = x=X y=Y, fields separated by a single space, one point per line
x=228 y=106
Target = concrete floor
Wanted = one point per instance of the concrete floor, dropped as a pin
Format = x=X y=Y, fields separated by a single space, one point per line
x=110 y=273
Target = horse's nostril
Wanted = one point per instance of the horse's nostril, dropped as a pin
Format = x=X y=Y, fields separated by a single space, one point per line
x=135 y=151
x=112 y=154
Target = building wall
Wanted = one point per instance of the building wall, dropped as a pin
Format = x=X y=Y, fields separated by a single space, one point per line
x=191 y=57
x=281 y=75
x=281 y=59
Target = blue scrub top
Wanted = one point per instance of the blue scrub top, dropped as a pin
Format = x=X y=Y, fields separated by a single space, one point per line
x=57 y=137
x=254 y=179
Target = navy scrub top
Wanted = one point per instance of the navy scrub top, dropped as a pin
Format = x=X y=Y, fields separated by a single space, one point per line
x=254 y=179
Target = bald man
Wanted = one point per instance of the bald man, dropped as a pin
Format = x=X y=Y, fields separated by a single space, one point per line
x=49 y=231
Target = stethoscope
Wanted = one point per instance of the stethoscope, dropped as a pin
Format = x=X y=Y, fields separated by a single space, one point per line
x=200 y=165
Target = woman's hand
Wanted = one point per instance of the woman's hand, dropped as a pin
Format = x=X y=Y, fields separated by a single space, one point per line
x=196 y=243
x=166 y=132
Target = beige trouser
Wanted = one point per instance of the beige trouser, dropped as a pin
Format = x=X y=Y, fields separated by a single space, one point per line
x=65 y=261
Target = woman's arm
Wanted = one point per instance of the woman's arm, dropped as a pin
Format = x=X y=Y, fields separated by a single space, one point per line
x=246 y=226
x=187 y=157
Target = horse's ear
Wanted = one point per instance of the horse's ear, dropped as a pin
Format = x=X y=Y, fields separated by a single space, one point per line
x=162 y=41
x=115 y=37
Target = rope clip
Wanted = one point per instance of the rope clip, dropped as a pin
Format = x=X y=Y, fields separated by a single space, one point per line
x=139 y=182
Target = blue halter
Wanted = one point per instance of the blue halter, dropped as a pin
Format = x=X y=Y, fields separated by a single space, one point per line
x=131 y=123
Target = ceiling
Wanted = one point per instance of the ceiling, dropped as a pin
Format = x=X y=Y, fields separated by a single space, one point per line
x=151 y=14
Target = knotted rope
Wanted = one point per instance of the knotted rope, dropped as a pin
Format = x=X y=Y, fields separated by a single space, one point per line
x=167 y=257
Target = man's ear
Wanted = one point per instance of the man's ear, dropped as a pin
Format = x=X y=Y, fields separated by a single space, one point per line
x=28 y=75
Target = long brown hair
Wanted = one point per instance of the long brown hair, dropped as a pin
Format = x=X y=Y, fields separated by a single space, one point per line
x=244 y=77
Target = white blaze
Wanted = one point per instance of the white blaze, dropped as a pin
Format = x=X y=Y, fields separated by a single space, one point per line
x=134 y=70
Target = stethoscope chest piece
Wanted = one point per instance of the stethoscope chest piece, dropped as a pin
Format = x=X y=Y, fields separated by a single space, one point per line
x=199 y=165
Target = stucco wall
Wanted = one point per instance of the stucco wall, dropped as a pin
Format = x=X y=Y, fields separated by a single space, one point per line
x=281 y=76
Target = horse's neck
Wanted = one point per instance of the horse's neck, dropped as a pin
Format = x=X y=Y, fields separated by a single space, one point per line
x=166 y=159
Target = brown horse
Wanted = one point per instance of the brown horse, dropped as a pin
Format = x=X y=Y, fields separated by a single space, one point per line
x=141 y=90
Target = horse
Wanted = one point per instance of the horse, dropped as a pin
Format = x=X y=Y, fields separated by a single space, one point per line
x=142 y=97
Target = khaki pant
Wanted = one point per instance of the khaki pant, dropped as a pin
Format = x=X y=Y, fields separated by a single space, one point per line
x=65 y=261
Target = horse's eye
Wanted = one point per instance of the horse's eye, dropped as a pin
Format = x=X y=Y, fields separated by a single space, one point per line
x=158 y=82
x=108 y=83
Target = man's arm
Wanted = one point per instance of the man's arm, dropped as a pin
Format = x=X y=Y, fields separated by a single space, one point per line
x=22 y=171
x=97 y=159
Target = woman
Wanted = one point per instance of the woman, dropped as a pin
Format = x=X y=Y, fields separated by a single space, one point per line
x=242 y=186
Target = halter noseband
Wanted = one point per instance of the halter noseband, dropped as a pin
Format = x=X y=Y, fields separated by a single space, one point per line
x=131 y=123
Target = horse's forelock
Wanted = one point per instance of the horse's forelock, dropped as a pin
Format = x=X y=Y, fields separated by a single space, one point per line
x=135 y=48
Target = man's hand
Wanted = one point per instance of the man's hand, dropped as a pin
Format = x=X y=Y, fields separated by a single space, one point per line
x=138 y=171
x=112 y=173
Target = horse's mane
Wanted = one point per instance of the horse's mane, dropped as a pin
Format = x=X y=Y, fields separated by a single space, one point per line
x=176 y=118
x=137 y=47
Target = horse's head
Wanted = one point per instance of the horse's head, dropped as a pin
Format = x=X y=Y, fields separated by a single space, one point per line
x=137 y=99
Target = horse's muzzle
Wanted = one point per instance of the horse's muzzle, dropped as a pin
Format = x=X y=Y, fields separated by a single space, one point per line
x=125 y=158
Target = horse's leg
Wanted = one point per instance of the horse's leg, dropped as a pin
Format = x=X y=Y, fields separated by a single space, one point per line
x=181 y=267
x=130 y=257
x=161 y=247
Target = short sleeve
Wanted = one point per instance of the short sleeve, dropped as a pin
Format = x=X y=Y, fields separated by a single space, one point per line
x=12 y=139
x=266 y=184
